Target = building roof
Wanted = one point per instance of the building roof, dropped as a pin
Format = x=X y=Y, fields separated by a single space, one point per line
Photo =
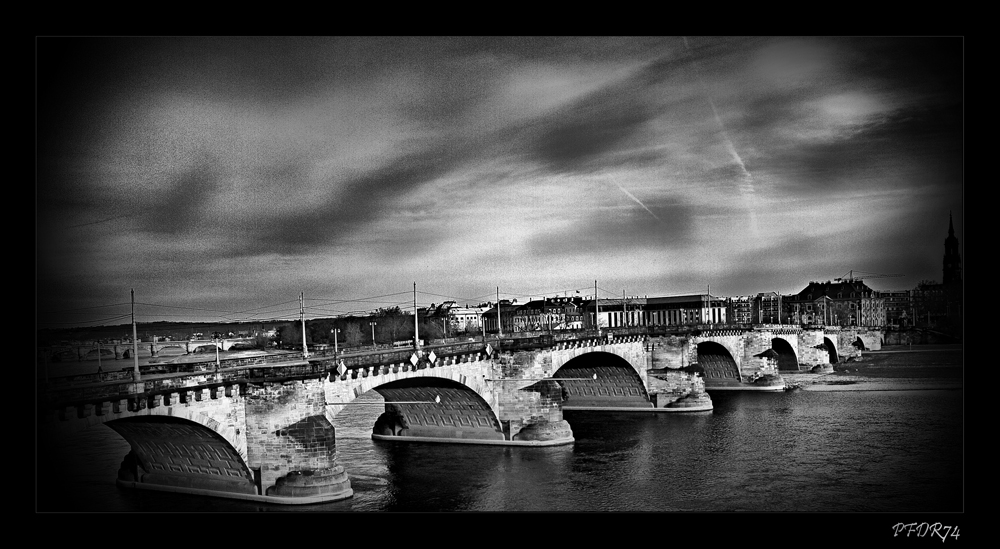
x=833 y=289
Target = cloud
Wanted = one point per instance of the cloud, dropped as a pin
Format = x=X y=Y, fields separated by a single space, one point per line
x=614 y=230
x=240 y=167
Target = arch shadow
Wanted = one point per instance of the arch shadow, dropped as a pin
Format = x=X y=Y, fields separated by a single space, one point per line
x=717 y=363
x=832 y=350
x=617 y=383
x=435 y=407
x=177 y=452
x=787 y=361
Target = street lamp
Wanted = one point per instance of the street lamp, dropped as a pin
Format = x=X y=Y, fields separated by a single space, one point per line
x=216 y=336
x=373 y=323
x=335 y=331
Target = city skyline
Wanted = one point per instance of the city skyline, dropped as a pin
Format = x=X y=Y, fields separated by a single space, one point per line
x=220 y=176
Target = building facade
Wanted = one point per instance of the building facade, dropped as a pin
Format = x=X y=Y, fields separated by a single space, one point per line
x=767 y=308
x=698 y=309
x=740 y=310
x=845 y=302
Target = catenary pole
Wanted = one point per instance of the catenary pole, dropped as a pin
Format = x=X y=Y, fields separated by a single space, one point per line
x=499 y=325
x=135 y=343
x=597 y=311
x=302 y=317
x=416 y=321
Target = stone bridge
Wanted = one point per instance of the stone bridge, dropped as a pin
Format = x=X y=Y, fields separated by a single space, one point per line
x=120 y=350
x=753 y=358
x=261 y=428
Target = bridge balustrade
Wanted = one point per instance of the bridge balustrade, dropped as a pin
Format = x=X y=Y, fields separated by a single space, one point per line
x=163 y=379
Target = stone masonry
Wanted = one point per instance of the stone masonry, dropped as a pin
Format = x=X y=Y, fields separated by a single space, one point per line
x=288 y=435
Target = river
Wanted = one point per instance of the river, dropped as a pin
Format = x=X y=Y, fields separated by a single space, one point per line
x=881 y=435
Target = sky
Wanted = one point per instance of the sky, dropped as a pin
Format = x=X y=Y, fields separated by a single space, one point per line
x=221 y=178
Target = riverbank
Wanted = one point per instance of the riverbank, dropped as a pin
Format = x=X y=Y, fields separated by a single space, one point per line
x=893 y=368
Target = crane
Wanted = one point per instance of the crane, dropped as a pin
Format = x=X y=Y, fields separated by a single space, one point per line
x=866 y=275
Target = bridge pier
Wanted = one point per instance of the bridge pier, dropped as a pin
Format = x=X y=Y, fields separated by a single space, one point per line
x=291 y=445
x=533 y=413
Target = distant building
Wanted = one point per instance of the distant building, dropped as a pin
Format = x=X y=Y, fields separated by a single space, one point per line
x=698 y=309
x=739 y=309
x=685 y=309
x=897 y=307
x=466 y=319
x=767 y=308
x=500 y=317
x=549 y=313
x=845 y=302
x=941 y=305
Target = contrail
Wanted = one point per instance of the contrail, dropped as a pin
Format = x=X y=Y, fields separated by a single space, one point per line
x=639 y=202
x=746 y=187
x=101 y=221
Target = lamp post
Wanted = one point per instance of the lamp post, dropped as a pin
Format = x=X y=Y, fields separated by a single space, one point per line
x=373 y=323
x=215 y=339
x=335 y=331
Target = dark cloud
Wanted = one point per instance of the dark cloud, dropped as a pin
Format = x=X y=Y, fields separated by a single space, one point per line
x=349 y=207
x=925 y=64
x=910 y=141
x=180 y=207
x=609 y=121
x=588 y=134
x=604 y=126
x=615 y=231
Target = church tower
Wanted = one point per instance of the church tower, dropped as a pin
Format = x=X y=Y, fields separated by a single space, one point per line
x=952 y=259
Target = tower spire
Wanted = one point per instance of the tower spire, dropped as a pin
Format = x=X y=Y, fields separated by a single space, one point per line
x=952 y=256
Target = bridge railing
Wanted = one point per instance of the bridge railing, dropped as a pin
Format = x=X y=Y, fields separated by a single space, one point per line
x=75 y=390
x=191 y=367
x=514 y=342
x=167 y=378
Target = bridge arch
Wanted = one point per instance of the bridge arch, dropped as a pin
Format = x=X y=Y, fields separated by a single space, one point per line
x=174 y=451
x=717 y=362
x=104 y=353
x=178 y=346
x=786 y=354
x=617 y=383
x=831 y=348
x=205 y=348
x=860 y=344
x=436 y=407
x=64 y=355
x=232 y=436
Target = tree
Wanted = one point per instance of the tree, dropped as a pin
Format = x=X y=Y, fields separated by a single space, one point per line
x=389 y=311
x=289 y=335
x=431 y=330
x=352 y=334
x=319 y=330
x=261 y=341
